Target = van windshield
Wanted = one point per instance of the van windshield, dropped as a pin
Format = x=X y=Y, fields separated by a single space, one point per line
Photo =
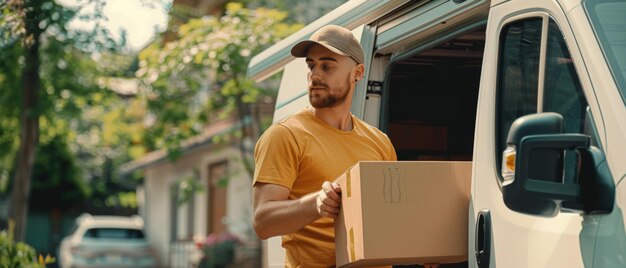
x=607 y=18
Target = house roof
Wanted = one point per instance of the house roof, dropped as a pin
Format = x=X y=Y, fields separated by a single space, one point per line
x=192 y=144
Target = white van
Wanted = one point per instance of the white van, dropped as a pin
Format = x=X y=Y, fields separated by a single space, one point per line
x=532 y=91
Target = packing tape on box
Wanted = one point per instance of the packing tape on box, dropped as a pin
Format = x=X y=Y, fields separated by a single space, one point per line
x=349 y=186
x=352 y=252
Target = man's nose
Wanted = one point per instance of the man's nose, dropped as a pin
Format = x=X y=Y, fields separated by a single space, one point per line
x=314 y=74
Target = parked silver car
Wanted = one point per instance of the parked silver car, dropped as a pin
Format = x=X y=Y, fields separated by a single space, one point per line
x=106 y=241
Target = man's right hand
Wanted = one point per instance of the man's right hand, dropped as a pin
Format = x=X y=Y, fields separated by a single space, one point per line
x=329 y=200
x=276 y=214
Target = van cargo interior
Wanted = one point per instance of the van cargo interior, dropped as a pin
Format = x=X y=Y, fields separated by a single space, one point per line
x=431 y=100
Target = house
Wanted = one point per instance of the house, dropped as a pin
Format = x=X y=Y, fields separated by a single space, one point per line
x=224 y=203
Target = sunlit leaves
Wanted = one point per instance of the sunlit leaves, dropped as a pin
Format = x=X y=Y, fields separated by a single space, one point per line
x=186 y=189
x=71 y=100
x=11 y=22
x=122 y=199
x=19 y=254
x=202 y=75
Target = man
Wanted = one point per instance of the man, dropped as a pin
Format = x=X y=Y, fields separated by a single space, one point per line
x=297 y=159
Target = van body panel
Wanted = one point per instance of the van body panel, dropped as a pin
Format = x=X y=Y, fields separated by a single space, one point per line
x=610 y=230
x=497 y=2
x=273 y=253
x=523 y=240
x=584 y=54
x=432 y=18
x=612 y=126
x=292 y=93
x=609 y=235
x=568 y=5
x=293 y=107
x=367 y=39
x=293 y=83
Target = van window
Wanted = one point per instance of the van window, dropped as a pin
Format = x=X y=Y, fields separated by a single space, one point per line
x=518 y=71
x=562 y=91
x=431 y=99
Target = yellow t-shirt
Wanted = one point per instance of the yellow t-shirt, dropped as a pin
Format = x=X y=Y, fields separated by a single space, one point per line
x=300 y=153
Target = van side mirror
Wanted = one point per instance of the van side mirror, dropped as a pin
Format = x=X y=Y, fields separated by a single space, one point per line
x=533 y=170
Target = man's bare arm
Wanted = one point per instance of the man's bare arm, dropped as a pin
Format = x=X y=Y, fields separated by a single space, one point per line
x=275 y=215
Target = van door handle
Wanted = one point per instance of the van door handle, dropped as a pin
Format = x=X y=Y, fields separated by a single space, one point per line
x=482 y=238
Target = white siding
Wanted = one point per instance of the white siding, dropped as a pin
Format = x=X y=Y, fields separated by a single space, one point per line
x=159 y=178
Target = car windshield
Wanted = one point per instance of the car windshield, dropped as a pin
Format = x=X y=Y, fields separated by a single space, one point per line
x=609 y=24
x=114 y=233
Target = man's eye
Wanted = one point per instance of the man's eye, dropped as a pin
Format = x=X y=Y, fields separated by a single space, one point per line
x=310 y=67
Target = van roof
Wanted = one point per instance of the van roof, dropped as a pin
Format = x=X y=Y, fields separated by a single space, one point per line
x=352 y=14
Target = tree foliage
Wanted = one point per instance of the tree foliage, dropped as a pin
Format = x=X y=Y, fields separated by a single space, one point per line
x=57 y=181
x=301 y=11
x=48 y=80
x=201 y=77
x=72 y=98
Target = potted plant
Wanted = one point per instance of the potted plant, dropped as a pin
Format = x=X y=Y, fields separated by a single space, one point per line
x=218 y=250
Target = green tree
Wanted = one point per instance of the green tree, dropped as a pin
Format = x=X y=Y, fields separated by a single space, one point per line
x=56 y=181
x=36 y=44
x=301 y=11
x=106 y=136
x=201 y=76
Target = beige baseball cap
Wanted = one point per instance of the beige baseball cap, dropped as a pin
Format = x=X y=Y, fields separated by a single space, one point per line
x=337 y=39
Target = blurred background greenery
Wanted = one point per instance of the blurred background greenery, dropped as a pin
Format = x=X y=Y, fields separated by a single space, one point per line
x=77 y=103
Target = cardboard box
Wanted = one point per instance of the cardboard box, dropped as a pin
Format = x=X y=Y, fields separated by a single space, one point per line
x=407 y=212
x=414 y=136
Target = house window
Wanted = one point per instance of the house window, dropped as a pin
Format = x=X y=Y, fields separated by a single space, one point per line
x=191 y=207
x=174 y=212
x=217 y=182
x=182 y=209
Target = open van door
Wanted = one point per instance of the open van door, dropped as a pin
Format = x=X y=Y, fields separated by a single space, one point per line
x=545 y=161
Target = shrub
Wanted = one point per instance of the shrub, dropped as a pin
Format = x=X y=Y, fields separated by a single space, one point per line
x=218 y=250
x=19 y=254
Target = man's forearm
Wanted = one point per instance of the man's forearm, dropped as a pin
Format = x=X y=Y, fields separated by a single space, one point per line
x=275 y=218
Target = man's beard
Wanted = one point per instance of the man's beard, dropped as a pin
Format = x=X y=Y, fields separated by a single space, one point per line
x=329 y=100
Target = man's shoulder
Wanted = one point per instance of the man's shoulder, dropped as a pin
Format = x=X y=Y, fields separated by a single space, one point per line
x=293 y=124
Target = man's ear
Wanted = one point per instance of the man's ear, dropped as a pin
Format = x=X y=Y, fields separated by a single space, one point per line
x=359 y=70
